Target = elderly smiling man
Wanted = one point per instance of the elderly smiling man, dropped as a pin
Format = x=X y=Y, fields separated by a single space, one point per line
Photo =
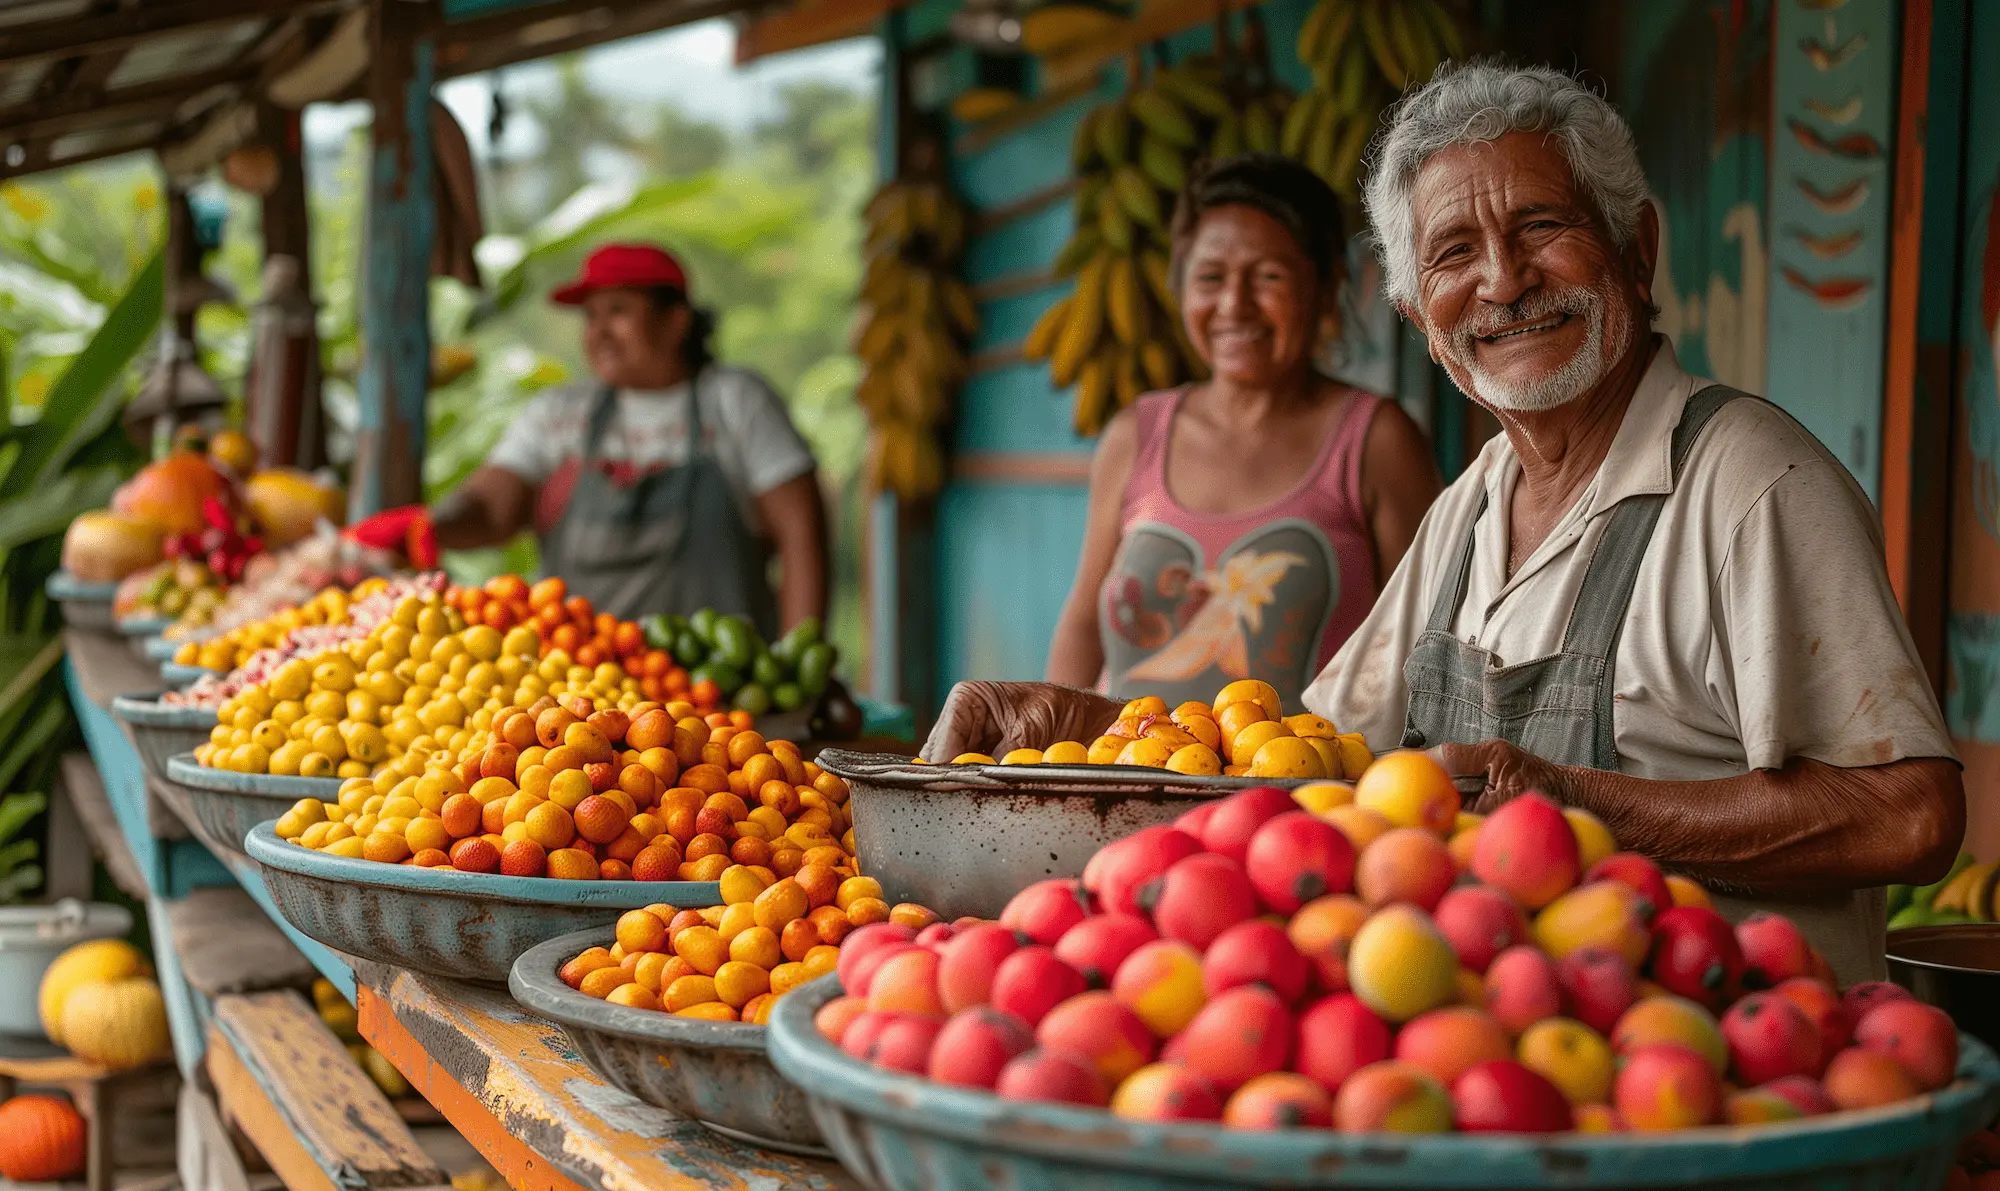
x=1653 y=597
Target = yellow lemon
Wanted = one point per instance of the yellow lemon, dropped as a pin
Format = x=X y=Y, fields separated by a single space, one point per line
x=1146 y=751
x=1251 y=690
x=1067 y=752
x=1022 y=757
x=972 y=759
x=1321 y=797
x=1244 y=745
x=1286 y=756
x=1311 y=726
x=1196 y=759
x=1593 y=838
x=1105 y=749
x=1329 y=755
x=1150 y=705
x=1354 y=755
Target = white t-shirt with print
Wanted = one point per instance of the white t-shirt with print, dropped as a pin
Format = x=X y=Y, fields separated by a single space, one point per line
x=744 y=425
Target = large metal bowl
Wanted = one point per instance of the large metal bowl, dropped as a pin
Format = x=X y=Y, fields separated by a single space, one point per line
x=962 y=839
x=162 y=731
x=178 y=676
x=715 y=1072
x=1956 y=968
x=84 y=605
x=138 y=630
x=902 y=1133
x=163 y=649
x=462 y=926
x=227 y=805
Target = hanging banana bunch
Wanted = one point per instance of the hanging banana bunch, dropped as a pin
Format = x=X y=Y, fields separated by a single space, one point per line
x=1362 y=54
x=916 y=321
x=1118 y=333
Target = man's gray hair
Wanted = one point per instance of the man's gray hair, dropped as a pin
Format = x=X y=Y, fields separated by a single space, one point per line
x=1484 y=101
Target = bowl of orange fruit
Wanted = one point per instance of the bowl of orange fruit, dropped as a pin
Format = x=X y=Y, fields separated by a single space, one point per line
x=963 y=834
x=669 y=1005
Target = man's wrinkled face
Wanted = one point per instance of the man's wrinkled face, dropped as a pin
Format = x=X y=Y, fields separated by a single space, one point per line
x=1527 y=302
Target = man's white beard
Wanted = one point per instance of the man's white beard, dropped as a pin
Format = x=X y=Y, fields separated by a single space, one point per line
x=1604 y=343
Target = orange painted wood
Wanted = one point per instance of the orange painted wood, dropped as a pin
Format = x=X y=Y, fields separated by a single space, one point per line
x=511 y=1084
x=811 y=22
x=1899 y=388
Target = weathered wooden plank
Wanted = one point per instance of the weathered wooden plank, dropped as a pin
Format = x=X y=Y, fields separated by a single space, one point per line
x=511 y=1083
x=77 y=36
x=314 y=1115
x=812 y=23
x=226 y=945
x=1156 y=20
x=539 y=31
x=92 y=805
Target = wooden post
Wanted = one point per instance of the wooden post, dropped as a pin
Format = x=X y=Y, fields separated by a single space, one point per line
x=282 y=400
x=395 y=302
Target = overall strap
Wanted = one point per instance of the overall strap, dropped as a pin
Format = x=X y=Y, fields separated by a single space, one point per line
x=1451 y=592
x=603 y=408
x=694 y=415
x=1598 y=620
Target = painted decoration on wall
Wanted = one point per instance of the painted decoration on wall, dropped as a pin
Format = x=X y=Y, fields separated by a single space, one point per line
x=1698 y=95
x=1834 y=80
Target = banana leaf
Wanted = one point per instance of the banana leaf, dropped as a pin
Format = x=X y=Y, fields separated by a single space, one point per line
x=48 y=510
x=51 y=717
x=87 y=397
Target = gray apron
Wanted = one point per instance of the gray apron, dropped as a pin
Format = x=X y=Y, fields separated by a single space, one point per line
x=1557 y=707
x=672 y=540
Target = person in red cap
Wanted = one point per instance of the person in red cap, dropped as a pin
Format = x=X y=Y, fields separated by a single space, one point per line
x=667 y=484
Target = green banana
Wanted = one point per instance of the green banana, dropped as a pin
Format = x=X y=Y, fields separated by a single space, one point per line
x=1229 y=138
x=1352 y=86
x=1260 y=128
x=1376 y=33
x=1346 y=159
x=1403 y=38
x=1299 y=122
x=1898 y=897
x=1164 y=117
x=1162 y=163
x=1450 y=39
x=1195 y=92
x=1087 y=242
x=1112 y=221
x=1320 y=142
x=1136 y=194
x=1112 y=130
x=1312 y=41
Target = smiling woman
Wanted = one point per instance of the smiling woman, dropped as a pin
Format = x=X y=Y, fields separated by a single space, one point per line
x=1239 y=528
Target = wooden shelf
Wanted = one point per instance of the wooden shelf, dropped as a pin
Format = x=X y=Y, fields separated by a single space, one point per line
x=512 y=1085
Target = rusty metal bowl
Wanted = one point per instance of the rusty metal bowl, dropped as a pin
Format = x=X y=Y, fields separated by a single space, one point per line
x=1956 y=968
x=138 y=631
x=176 y=675
x=714 y=1072
x=226 y=805
x=462 y=926
x=901 y=1132
x=162 y=731
x=84 y=605
x=962 y=839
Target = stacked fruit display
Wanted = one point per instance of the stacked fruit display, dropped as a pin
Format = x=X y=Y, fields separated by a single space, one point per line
x=405 y=689
x=1242 y=733
x=915 y=328
x=1119 y=332
x=1964 y=895
x=726 y=656
x=1362 y=54
x=585 y=782
x=1978 y=1166
x=330 y=619
x=1256 y=964
x=571 y=624
x=99 y=1001
x=279 y=581
x=173 y=588
x=732 y=962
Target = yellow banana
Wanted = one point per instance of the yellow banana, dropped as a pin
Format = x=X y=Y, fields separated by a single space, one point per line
x=1084 y=243
x=1376 y=33
x=1153 y=266
x=1340 y=30
x=1124 y=303
x=1126 y=383
x=876 y=393
x=1352 y=85
x=877 y=338
x=1194 y=91
x=1084 y=324
x=1320 y=144
x=1260 y=128
x=1299 y=120
x=1346 y=160
x=1227 y=139
x=963 y=310
x=1312 y=33
x=1450 y=39
x=1083 y=143
x=1164 y=117
x=1161 y=366
x=1093 y=395
x=1042 y=336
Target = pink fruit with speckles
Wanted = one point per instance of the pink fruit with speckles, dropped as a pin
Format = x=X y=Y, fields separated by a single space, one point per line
x=1121 y=868
x=1033 y=981
x=1480 y=923
x=967 y=963
x=1337 y=1037
x=1237 y=818
x=1255 y=951
x=1096 y=946
x=1769 y=1037
x=1527 y=850
x=976 y=1045
x=1198 y=898
x=1052 y=1077
x=1044 y=910
x=1296 y=857
x=1522 y=989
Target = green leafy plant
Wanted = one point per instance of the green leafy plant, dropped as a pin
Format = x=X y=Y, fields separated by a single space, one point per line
x=18 y=871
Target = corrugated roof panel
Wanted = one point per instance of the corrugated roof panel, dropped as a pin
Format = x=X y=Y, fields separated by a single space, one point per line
x=177 y=54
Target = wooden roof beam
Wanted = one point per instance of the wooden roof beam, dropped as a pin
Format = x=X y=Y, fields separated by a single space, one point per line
x=79 y=108
x=75 y=37
x=486 y=43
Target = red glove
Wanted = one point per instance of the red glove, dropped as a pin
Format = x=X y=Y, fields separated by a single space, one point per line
x=407 y=529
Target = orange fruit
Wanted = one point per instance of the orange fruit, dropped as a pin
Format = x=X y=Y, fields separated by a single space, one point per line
x=641 y=930
x=430 y=858
x=707 y=778
x=656 y=862
x=1237 y=716
x=549 y=825
x=819 y=881
x=701 y=946
x=475 y=855
x=783 y=902
x=613 y=870
x=600 y=820
x=569 y=864
x=745 y=745
x=586 y=961
x=708 y=868
x=750 y=850
x=706 y=844
x=757 y=945
x=912 y=915
x=524 y=858
x=831 y=923
x=600 y=982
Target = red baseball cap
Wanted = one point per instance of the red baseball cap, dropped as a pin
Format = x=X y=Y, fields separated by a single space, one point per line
x=622 y=266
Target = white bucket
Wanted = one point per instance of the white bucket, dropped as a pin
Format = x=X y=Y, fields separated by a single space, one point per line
x=30 y=939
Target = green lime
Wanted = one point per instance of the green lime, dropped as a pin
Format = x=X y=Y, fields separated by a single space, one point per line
x=815 y=668
x=754 y=698
x=735 y=642
x=703 y=624
x=788 y=696
x=766 y=670
x=727 y=678
x=689 y=650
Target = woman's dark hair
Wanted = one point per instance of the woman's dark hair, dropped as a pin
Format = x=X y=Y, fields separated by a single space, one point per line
x=696 y=351
x=1285 y=190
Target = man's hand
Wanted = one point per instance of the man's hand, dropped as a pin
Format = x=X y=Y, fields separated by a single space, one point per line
x=996 y=717
x=1494 y=772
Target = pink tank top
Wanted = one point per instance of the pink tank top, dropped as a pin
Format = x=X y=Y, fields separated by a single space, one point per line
x=1195 y=601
